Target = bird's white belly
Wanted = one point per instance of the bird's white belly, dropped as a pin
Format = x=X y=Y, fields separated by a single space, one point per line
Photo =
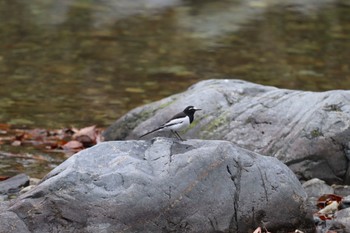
x=177 y=124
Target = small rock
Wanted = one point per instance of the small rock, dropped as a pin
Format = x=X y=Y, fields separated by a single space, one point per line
x=34 y=181
x=316 y=188
x=3 y=198
x=345 y=203
x=331 y=226
x=341 y=190
x=26 y=189
x=343 y=217
x=14 y=184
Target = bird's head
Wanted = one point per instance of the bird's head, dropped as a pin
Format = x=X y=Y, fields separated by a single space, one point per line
x=190 y=110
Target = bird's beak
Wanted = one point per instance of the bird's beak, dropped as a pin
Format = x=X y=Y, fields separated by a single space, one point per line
x=197 y=109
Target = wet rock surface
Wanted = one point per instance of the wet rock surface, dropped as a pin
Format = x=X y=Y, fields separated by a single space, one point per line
x=308 y=131
x=14 y=184
x=162 y=185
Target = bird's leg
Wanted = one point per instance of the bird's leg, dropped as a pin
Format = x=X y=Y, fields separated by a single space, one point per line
x=173 y=132
x=178 y=136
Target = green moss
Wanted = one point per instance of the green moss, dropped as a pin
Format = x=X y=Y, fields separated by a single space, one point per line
x=219 y=121
x=166 y=104
x=142 y=116
x=192 y=125
x=250 y=120
x=316 y=133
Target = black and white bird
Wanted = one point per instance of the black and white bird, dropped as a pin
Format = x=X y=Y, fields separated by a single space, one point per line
x=178 y=122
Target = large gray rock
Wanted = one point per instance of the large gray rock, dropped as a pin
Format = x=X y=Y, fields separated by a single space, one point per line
x=309 y=131
x=164 y=186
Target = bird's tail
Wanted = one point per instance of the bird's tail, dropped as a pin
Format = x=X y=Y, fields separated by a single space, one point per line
x=152 y=131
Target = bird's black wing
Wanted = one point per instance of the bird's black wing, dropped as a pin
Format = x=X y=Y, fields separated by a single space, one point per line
x=166 y=124
x=177 y=116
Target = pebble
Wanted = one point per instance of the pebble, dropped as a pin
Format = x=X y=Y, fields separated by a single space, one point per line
x=16 y=185
x=316 y=188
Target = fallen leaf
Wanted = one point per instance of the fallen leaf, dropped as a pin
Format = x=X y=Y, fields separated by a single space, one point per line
x=328 y=204
x=22 y=156
x=257 y=230
x=2 y=178
x=4 y=127
x=85 y=140
x=87 y=131
x=51 y=140
x=326 y=199
x=3 y=131
x=73 y=145
x=329 y=209
x=16 y=143
x=99 y=137
x=21 y=136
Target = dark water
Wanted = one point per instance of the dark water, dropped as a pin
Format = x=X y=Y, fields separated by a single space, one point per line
x=82 y=62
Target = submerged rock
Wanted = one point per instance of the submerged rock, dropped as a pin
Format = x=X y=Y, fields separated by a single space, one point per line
x=163 y=186
x=14 y=184
x=309 y=131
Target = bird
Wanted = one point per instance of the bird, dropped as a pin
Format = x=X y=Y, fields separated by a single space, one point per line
x=178 y=122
